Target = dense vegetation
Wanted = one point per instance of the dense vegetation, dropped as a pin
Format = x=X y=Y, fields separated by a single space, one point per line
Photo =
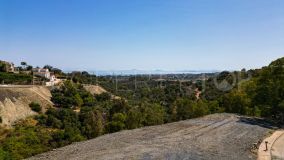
x=78 y=115
x=263 y=95
x=11 y=78
x=35 y=107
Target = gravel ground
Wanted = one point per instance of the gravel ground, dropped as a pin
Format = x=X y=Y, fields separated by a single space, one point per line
x=214 y=137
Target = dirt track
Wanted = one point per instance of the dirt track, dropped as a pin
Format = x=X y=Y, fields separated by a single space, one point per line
x=277 y=149
x=214 y=137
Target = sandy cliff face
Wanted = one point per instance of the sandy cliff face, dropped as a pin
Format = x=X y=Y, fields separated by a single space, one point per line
x=15 y=100
x=95 y=89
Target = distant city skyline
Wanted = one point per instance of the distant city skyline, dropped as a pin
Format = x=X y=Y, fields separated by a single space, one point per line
x=169 y=35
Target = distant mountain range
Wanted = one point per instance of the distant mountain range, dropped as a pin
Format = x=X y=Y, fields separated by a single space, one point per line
x=139 y=72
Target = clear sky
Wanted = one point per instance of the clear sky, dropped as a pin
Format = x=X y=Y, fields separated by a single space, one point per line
x=142 y=34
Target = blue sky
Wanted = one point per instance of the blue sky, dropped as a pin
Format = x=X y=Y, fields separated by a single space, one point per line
x=142 y=34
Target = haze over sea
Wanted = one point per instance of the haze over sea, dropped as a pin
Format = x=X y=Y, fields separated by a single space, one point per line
x=146 y=72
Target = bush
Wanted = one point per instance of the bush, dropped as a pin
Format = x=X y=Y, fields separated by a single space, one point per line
x=4 y=154
x=35 y=107
x=117 y=123
x=103 y=97
x=25 y=142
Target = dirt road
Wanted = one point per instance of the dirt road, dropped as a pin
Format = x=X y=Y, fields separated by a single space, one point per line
x=214 y=137
x=277 y=150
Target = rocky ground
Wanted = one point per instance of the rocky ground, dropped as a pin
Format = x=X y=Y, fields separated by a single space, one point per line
x=214 y=137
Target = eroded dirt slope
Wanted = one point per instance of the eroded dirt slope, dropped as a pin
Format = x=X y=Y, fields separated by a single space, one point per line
x=15 y=100
x=214 y=137
x=94 y=89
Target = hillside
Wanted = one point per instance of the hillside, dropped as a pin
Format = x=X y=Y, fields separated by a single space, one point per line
x=15 y=100
x=216 y=137
x=95 y=89
x=79 y=115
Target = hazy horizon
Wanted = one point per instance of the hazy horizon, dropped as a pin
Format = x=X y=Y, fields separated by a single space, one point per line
x=165 y=35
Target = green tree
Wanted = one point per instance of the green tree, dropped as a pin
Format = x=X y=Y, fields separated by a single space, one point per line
x=71 y=95
x=214 y=107
x=92 y=123
x=78 y=100
x=201 y=109
x=4 y=154
x=49 y=67
x=154 y=114
x=119 y=106
x=29 y=68
x=24 y=64
x=236 y=102
x=35 y=107
x=103 y=97
x=280 y=109
x=134 y=118
x=185 y=108
x=117 y=123
x=3 y=66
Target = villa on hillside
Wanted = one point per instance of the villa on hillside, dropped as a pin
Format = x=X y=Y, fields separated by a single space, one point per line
x=41 y=72
x=45 y=73
x=7 y=66
x=53 y=80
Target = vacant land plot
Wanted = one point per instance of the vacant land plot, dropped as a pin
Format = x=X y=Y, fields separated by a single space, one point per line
x=214 y=137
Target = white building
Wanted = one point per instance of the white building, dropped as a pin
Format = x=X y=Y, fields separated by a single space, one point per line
x=12 y=68
x=48 y=75
x=53 y=81
x=41 y=72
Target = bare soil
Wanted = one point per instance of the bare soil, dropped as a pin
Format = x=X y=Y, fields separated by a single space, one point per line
x=277 y=149
x=213 y=137
x=94 y=89
x=15 y=100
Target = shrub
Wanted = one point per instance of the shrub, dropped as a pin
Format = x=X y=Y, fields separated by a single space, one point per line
x=25 y=142
x=117 y=123
x=35 y=107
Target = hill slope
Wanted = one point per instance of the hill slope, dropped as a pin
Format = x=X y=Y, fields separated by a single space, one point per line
x=218 y=136
x=15 y=100
x=95 y=89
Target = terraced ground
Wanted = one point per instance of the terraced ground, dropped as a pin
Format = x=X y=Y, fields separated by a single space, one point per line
x=214 y=137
